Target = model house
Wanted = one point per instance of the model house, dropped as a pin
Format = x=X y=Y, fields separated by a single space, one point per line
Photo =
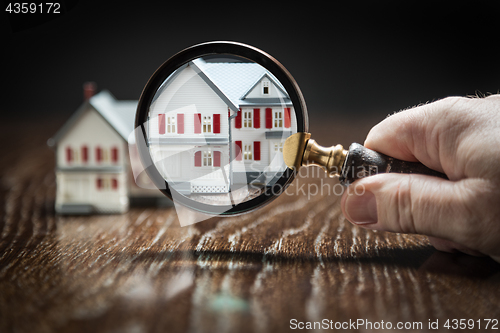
x=216 y=125
x=93 y=169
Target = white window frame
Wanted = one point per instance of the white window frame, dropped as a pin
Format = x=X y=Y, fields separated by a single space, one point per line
x=277 y=118
x=105 y=155
x=76 y=155
x=266 y=87
x=105 y=183
x=206 y=123
x=207 y=159
x=278 y=147
x=247 y=119
x=247 y=152
x=170 y=125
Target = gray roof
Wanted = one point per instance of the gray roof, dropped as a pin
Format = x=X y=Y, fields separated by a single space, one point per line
x=236 y=79
x=119 y=114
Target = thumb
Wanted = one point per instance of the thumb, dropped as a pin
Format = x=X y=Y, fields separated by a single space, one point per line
x=411 y=203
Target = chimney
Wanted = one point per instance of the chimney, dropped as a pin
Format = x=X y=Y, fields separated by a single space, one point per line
x=89 y=89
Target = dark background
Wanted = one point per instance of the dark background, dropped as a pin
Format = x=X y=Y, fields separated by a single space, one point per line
x=355 y=61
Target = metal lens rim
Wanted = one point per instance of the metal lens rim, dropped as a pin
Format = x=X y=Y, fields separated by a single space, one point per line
x=183 y=57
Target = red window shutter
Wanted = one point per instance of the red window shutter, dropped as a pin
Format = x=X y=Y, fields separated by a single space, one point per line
x=256 y=118
x=197 y=159
x=161 y=123
x=256 y=150
x=217 y=158
x=237 y=150
x=98 y=154
x=197 y=122
x=180 y=123
x=216 y=123
x=114 y=183
x=288 y=122
x=269 y=118
x=114 y=154
x=237 y=120
x=85 y=154
x=69 y=154
x=99 y=183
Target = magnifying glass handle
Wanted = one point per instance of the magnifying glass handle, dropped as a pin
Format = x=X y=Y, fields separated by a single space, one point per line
x=362 y=162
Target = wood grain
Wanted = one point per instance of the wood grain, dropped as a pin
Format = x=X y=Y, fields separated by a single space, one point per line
x=297 y=258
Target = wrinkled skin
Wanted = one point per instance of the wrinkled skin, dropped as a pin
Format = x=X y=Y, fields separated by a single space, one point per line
x=458 y=136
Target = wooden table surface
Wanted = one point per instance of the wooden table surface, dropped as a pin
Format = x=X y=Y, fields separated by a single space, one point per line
x=297 y=258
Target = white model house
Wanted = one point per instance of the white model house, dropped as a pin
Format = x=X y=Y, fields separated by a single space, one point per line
x=93 y=172
x=216 y=125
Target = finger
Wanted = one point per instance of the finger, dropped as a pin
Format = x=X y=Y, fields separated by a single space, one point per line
x=429 y=133
x=417 y=204
x=452 y=247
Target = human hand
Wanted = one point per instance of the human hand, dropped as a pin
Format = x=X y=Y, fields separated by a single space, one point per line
x=457 y=136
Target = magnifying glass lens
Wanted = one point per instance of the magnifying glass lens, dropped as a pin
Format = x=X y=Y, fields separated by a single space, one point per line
x=215 y=131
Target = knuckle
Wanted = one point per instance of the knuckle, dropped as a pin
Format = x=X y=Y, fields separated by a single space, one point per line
x=480 y=213
x=404 y=206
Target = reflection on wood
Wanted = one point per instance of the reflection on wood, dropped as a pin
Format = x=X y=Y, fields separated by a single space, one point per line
x=297 y=258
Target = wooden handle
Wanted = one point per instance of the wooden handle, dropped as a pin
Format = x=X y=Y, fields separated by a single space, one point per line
x=363 y=162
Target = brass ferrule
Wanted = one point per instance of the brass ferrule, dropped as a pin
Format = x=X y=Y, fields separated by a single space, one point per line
x=330 y=159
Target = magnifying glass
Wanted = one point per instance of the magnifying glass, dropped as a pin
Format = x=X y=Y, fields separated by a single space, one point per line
x=213 y=120
x=222 y=128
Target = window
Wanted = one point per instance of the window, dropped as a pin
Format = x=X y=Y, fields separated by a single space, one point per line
x=278 y=119
x=106 y=183
x=207 y=158
x=207 y=124
x=105 y=155
x=171 y=124
x=278 y=147
x=247 y=119
x=265 y=87
x=247 y=152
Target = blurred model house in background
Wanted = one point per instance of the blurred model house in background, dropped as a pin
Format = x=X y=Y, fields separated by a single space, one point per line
x=93 y=171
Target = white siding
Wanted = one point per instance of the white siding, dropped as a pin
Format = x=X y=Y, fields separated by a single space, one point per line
x=81 y=188
x=91 y=130
x=249 y=135
x=257 y=90
x=188 y=94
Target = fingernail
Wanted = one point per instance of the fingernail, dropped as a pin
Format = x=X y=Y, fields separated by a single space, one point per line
x=361 y=209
